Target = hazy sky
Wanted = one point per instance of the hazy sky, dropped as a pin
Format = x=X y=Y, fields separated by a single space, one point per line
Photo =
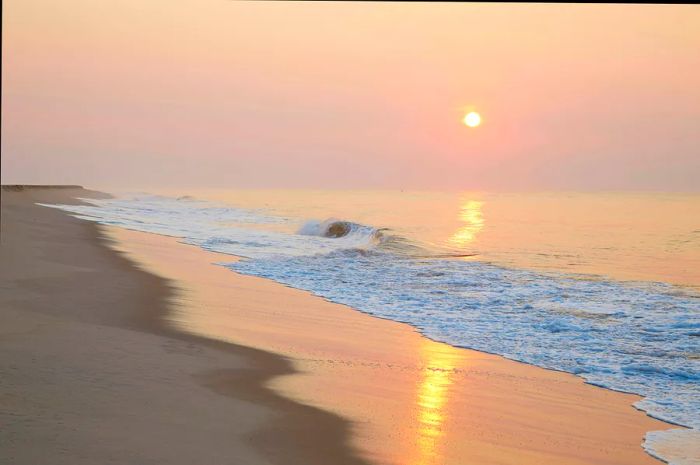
x=138 y=93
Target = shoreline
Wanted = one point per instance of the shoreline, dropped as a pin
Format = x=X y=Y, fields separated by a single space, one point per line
x=37 y=431
x=315 y=351
x=301 y=368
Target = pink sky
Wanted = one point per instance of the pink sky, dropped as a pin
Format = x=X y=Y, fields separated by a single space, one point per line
x=135 y=93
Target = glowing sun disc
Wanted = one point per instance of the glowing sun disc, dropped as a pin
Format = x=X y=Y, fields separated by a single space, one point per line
x=472 y=119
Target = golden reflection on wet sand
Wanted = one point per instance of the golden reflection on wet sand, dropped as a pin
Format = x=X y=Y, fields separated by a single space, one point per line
x=409 y=400
x=437 y=375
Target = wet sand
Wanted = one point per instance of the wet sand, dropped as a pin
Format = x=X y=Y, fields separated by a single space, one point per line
x=156 y=355
x=410 y=400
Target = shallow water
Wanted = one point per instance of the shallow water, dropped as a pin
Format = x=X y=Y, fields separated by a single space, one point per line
x=601 y=285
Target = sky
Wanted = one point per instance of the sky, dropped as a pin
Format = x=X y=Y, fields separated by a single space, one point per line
x=225 y=94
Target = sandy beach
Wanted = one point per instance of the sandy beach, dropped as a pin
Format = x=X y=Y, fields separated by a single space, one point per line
x=90 y=374
x=126 y=347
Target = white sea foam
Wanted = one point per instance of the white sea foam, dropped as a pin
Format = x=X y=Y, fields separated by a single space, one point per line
x=634 y=337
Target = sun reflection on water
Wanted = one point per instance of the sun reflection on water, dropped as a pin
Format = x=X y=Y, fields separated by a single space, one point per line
x=470 y=214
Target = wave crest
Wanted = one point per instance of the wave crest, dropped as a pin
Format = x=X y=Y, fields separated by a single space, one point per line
x=358 y=234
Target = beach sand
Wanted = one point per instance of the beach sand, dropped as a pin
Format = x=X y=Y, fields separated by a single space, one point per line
x=154 y=354
x=90 y=375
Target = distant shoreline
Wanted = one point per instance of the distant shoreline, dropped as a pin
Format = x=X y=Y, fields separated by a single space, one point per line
x=21 y=187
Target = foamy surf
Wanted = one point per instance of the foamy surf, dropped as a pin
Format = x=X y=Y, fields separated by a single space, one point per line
x=632 y=337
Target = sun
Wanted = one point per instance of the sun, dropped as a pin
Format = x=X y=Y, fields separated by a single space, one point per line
x=472 y=119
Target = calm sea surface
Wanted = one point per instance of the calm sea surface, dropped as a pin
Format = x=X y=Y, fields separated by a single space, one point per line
x=650 y=237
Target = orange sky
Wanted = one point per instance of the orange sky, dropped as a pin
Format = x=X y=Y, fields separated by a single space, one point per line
x=140 y=93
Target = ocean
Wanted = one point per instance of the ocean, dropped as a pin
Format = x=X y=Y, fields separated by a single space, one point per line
x=602 y=285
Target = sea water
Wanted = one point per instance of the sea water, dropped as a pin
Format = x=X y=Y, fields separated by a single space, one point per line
x=604 y=286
